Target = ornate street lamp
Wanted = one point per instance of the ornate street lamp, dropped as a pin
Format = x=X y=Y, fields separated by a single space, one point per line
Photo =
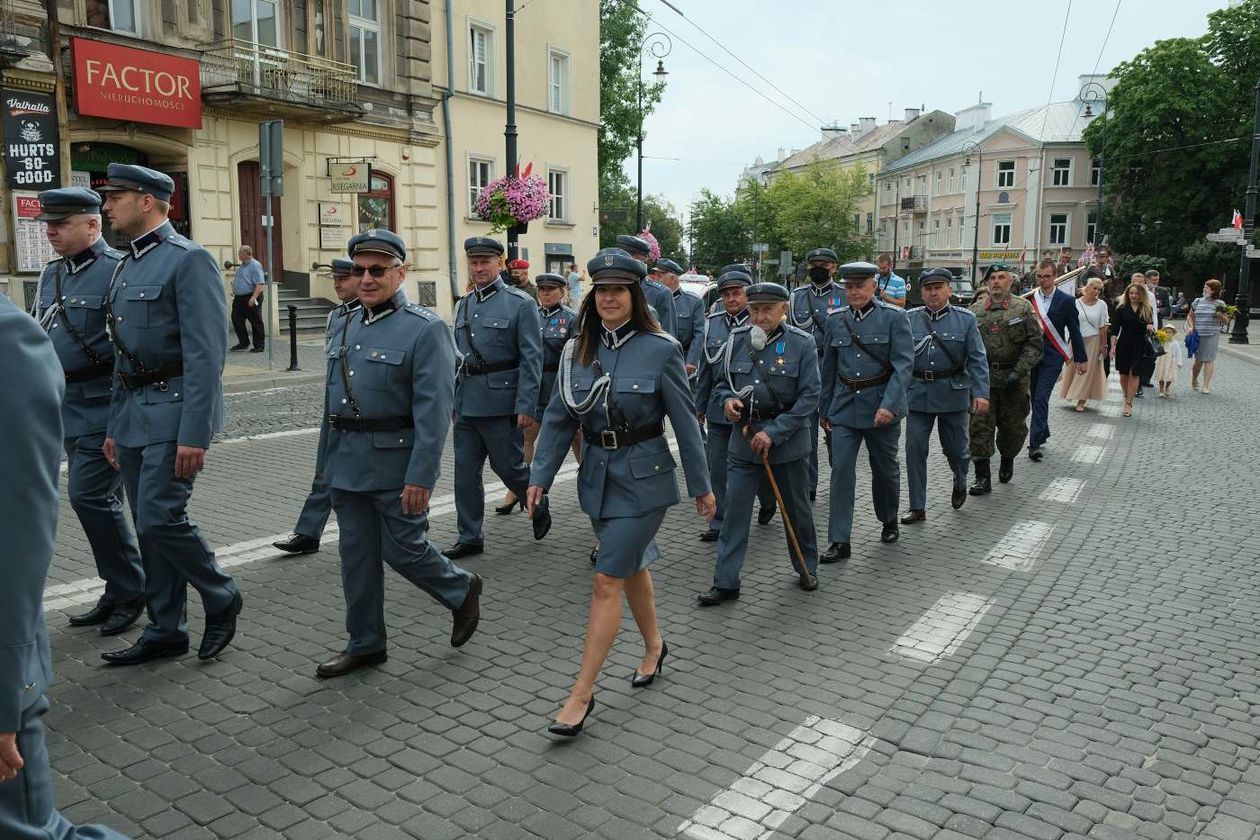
x=657 y=45
x=1095 y=94
x=970 y=148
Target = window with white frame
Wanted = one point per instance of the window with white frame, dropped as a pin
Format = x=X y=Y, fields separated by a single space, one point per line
x=557 y=82
x=480 y=60
x=1091 y=226
x=870 y=222
x=480 y=173
x=936 y=184
x=950 y=183
x=1005 y=174
x=1061 y=173
x=1001 y=228
x=118 y=15
x=936 y=233
x=949 y=231
x=1058 y=228
x=558 y=186
x=857 y=222
x=365 y=39
x=966 y=173
x=1095 y=173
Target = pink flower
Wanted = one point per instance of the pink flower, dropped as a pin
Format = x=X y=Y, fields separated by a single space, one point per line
x=512 y=200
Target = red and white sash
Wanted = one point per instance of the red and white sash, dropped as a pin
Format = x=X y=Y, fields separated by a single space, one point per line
x=1051 y=334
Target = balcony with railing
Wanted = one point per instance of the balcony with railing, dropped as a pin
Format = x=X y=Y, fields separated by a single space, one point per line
x=268 y=80
x=915 y=203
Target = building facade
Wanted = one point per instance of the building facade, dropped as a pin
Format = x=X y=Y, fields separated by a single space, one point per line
x=557 y=117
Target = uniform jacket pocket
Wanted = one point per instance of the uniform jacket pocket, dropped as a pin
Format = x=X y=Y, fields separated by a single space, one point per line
x=381 y=362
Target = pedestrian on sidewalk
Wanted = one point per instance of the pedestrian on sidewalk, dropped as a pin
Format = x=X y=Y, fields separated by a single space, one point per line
x=1206 y=318
x=1169 y=365
x=68 y=307
x=1129 y=348
x=618 y=382
x=247 y=291
x=31 y=426
x=1056 y=310
x=314 y=516
x=1094 y=318
x=385 y=419
x=573 y=281
x=1150 y=280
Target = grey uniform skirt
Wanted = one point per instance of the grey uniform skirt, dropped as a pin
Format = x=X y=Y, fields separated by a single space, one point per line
x=627 y=544
x=1207 y=347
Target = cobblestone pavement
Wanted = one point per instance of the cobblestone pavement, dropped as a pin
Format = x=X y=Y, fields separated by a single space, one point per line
x=1072 y=656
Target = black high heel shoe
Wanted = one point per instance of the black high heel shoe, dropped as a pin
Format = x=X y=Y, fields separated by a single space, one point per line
x=644 y=680
x=571 y=730
x=504 y=510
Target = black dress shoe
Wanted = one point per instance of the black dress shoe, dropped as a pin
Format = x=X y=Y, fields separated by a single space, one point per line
x=716 y=596
x=835 y=553
x=220 y=629
x=239 y=347
x=982 y=486
x=504 y=510
x=344 y=663
x=1034 y=454
x=765 y=514
x=465 y=619
x=809 y=582
x=958 y=497
x=710 y=535
x=913 y=516
x=122 y=617
x=542 y=518
x=572 y=730
x=146 y=651
x=460 y=549
x=97 y=615
x=1006 y=470
x=891 y=533
x=644 y=680
x=258 y=350
x=298 y=544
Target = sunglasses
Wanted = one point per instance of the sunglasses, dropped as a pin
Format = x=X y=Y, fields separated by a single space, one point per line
x=377 y=271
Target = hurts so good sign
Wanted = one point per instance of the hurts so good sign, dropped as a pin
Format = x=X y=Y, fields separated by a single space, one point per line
x=140 y=86
x=32 y=149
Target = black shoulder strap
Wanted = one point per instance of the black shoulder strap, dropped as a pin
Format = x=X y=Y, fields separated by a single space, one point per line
x=959 y=364
x=137 y=366
x=60 y=306
x=862 y=345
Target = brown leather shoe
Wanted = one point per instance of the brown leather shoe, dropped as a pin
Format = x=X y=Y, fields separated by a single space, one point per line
x=913 y=517
x=343 y=663
x=465 y=619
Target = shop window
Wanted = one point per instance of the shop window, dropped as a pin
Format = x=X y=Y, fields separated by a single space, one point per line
x=118 y=15
x=376 y=206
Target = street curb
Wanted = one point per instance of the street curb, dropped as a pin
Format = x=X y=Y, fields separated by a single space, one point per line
x=279 y=379
x=1237 y=353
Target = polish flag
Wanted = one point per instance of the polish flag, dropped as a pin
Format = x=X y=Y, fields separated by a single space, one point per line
x=1237 y=221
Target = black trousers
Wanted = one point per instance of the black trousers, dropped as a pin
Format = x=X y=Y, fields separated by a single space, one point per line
x=242 y=312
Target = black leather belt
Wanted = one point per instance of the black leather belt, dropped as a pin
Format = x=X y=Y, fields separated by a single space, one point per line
x=158 y=376
x=87 y=374
x=1002 y=365
x=761 y=415
x=855 y=384
x=474 y=369
x=612 y=439
x=933 y=375
x=368 y=424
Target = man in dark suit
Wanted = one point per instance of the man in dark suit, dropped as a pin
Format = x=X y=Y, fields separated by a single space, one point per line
x=30 y=425
x=1057 y=312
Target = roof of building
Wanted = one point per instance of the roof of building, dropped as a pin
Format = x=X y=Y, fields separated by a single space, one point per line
x=1058 y=122
x=842 y=145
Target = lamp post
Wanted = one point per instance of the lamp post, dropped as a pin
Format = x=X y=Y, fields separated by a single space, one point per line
x=509 y=130
x=1095 y=94
x=970 y=148
x=1238 y=335
x=659 y=45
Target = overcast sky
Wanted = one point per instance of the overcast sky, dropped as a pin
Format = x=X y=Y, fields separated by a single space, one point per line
x=843 y=60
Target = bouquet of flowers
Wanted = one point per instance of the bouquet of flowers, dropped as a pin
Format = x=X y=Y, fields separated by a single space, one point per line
x=1225 y=312
x=1164 y=336
x=515 y=199
x=654 y=247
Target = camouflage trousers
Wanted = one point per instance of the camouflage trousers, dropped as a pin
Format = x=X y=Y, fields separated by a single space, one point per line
x=1008 y=416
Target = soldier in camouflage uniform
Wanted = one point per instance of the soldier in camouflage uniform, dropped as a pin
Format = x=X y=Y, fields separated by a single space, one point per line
x=1012 y=339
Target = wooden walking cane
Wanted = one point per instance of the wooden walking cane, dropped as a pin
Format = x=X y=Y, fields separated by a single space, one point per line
x=799 y=556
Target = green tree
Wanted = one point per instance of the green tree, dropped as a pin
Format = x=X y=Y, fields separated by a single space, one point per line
x=813 y=209
x=1203 y=260
x=719 y=233
x=621 y=31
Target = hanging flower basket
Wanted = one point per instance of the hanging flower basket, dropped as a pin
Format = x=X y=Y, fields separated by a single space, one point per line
x=513 y=201
x=654 y=247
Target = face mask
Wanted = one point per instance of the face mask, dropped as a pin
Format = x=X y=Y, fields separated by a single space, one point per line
x=757 y=338
x=819 y=274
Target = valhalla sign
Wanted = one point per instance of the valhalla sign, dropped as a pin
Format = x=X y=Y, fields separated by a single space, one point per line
x=140 y=86
x=32 y=153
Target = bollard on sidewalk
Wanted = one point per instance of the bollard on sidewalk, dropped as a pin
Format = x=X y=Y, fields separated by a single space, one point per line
x=293 y=354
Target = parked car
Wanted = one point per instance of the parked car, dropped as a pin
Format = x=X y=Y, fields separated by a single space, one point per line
x=700 y=286
x=962 y=291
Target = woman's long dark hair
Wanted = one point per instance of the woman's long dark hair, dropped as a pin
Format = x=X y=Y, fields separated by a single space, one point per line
x=590 y=323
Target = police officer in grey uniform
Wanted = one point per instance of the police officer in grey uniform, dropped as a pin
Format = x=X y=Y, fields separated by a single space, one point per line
x=314 y=516
x=168 y=314
x=809 y=309
x=659 y=298
x=30 y=425
x=770 y=394
x=496 y=392
x=389 y=396
x=688 y=314
x=865 y=374
x=69 y=307
x=951 y=378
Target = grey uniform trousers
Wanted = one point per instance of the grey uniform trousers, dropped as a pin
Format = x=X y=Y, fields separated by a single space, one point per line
x=476 y=439
x=95 y=490
x=26 y=802
x=744 y=480
x=717 y=445
x=375 y=529
x=881 y=448
x=173 y=551
x=951 y=427
x=314 y=516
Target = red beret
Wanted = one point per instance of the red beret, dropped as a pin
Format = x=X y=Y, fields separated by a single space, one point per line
x=518 y=264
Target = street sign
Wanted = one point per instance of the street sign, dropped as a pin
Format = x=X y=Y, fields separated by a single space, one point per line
x=760 y=247
x=1233 y=237
x=271 y=156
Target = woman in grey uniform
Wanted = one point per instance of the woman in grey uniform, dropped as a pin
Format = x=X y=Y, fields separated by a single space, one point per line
x=617 y=382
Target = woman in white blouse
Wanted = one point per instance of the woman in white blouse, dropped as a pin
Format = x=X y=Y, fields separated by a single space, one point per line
x=1092 y=313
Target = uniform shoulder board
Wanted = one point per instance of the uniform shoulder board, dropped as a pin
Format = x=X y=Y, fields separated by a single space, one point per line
x=713 y=315
x=423 y=312
x=742 y=328
x=519 y=294
x=792 y=328
x=916 y=309
x=181 y=242
x=112 y=253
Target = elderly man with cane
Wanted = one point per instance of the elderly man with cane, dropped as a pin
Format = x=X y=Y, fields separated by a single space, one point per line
x=770 y=392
